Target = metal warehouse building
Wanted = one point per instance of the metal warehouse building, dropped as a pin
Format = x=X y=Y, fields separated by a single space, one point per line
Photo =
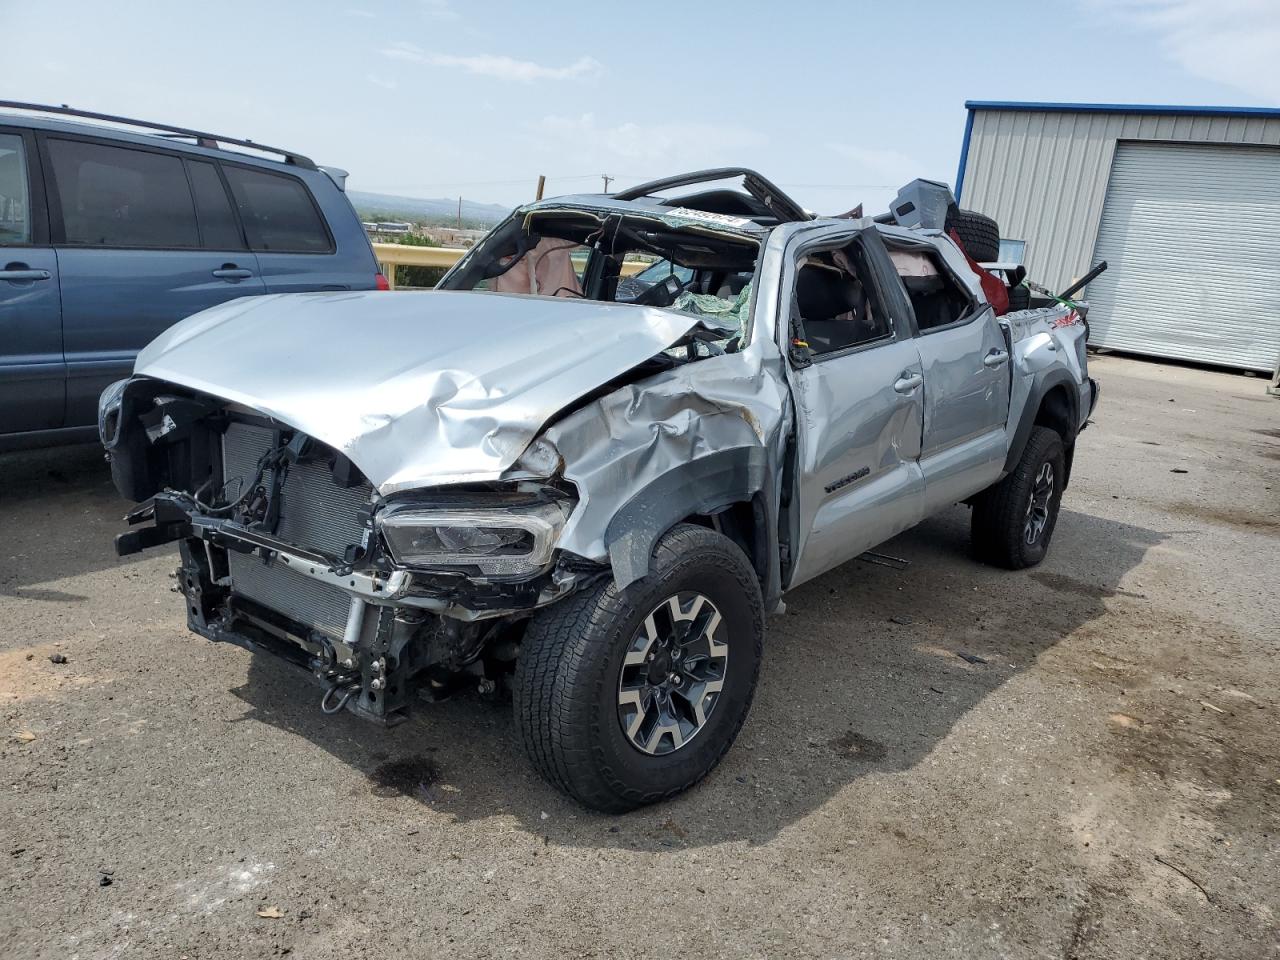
x=1182 y=202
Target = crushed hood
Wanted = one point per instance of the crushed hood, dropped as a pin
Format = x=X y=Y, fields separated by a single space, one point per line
x=417 y=389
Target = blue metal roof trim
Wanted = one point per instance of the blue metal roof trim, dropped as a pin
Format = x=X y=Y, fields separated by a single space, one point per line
x=964 y=153
x=1205 y=111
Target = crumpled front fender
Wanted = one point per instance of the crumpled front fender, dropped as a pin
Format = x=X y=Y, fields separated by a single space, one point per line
x=691 y=440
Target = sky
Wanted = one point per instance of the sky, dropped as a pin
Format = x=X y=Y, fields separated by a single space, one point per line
x=837 y=103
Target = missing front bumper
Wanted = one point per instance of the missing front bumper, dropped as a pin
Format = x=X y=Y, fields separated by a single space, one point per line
x=371 y=667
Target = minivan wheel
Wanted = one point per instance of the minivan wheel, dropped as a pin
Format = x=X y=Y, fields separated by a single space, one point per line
x=1013 y=521
x=626 y=697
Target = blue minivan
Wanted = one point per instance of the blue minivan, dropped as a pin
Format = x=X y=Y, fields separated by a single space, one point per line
x=108 y=236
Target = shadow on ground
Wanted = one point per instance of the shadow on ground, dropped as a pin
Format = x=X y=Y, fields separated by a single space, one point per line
x=59 y=514
x=868 y=671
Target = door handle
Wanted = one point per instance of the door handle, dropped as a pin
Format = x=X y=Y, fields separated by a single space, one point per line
x=20 y=271
x=907 y=383
x=995 y=358
x=229 y=271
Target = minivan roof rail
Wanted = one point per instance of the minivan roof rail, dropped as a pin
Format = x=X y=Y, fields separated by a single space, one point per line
x=201 y=138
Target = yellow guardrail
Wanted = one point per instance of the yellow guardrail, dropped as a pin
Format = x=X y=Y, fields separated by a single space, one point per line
x=392 y=255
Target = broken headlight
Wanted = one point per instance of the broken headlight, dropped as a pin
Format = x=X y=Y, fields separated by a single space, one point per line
x=503 y=540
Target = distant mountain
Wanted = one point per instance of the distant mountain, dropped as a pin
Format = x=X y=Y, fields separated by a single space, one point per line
x=442 y=210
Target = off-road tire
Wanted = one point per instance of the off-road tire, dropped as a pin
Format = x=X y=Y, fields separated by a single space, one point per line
x=1019 y=298
x=998 y=531
x=570 y=661
x=978 y=233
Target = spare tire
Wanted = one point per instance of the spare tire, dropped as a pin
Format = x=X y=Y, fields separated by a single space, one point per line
x=978 y=233
x=1019 y=298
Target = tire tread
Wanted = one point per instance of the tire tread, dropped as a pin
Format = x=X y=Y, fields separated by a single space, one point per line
x=978 y=233
x=557 y=645
x=998 y=512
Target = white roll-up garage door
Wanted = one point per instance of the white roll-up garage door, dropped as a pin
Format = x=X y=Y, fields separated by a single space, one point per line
x=1192 y=236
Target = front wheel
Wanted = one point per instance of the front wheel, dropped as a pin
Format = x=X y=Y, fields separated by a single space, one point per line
x=626 y=697
x=1014 y=520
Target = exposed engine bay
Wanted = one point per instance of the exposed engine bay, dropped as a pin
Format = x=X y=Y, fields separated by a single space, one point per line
x=286 y=546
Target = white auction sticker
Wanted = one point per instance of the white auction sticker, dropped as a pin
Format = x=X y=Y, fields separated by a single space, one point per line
x=723 y=218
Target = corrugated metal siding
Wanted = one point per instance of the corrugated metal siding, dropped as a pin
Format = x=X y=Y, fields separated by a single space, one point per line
x=1192 y=236
x=1043 y=174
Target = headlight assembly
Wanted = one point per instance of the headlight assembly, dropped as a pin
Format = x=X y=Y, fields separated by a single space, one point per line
x=503 y=540
x=109 y=411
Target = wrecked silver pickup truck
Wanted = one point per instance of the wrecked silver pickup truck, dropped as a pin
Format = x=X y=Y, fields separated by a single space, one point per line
x=584 y=487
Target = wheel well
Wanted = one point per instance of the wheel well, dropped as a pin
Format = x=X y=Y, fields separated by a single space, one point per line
x=743 y=523
x=1057 y=413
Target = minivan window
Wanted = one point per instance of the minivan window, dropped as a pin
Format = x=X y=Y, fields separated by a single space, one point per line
x=15 y=228
x=278 y=212
x=118 y=197
x=218 y=227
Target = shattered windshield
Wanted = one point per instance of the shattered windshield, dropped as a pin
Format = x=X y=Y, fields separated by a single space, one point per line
x=612 y=258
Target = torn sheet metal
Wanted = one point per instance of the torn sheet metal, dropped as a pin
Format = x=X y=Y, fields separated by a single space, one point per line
x=417 y=389
x=660 y=434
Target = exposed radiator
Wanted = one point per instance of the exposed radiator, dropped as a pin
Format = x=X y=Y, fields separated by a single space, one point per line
x=298 y=597
x=314 y=512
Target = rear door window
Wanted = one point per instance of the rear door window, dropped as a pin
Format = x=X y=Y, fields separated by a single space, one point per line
x=218 y=227
x=936 y=295
x=278 y=212
x=118 y=197
x=15 y=226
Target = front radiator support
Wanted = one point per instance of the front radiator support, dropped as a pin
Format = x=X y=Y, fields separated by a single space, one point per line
x=315 y=514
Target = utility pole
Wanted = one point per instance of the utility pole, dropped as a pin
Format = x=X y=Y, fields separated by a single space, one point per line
x=542 y=182
x=459 y=213
x=606 y=178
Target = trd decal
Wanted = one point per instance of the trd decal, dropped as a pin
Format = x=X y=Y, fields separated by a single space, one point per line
x=845 y=481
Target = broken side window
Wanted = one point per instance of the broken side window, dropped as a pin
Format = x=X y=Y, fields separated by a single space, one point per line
x=936 y=296
x=573 y=254
x=547 y=270
x=836 y=309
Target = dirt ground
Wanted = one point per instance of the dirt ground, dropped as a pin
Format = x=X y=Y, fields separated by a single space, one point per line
x=946 y=760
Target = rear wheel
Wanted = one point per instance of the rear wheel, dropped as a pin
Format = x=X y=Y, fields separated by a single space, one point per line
x=1014 y=520
x=626 y=697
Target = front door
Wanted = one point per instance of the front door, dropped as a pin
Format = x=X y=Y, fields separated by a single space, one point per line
x=144 y=238
x=32 y=374
x=858 y=388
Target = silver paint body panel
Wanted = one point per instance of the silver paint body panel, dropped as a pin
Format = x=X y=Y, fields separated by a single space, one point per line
x=417 y=389
x=966 y=409
x=430 y=389
x=851 y=419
